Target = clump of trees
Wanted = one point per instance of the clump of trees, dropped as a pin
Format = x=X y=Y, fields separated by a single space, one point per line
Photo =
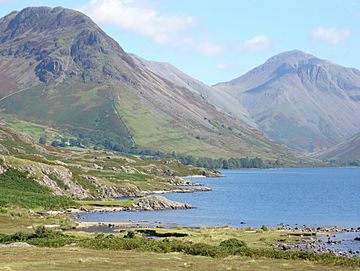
x=68 y=143
x=232 y=163
x=344 y=163
x=101 y=142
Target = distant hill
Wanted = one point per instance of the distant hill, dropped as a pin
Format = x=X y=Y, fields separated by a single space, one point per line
x=59 y=69
x=346 y=150
x=300 y=100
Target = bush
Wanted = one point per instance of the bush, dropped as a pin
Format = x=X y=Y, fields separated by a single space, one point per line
x=233 y=243
x=264 y=228
x=130 y=234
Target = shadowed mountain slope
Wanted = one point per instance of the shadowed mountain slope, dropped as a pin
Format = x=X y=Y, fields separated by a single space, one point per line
x=346 y=150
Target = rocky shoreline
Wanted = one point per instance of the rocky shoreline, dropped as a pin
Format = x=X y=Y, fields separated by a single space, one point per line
x=150 y=203
x=322 y=240
x=145 y=200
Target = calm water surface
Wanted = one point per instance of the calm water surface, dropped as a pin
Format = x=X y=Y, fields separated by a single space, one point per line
x=322 y=196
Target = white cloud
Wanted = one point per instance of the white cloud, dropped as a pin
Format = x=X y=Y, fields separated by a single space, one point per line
x=136 y=16
x=222 y=66
x=209 y=48
x=330 y=35
x=140 y=16
x=256 y=44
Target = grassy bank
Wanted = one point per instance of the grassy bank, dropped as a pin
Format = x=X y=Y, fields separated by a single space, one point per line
x=232 y=247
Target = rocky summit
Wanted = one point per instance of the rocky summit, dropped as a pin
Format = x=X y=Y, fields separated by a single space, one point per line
x=300 y=100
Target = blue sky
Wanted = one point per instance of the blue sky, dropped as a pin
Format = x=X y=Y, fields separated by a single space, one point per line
x=219 y=40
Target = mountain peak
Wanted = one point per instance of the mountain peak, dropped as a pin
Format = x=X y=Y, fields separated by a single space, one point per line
x=292 y=57
x=62 y=43
x=43 y=19
x=301 y=100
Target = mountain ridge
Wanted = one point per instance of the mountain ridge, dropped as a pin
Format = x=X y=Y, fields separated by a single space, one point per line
x=349 y=149
x=300 y=100
x=109 y=98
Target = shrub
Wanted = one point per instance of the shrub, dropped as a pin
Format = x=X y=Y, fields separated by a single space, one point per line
x=233 y=243
x=130 y=234
x=264 y=228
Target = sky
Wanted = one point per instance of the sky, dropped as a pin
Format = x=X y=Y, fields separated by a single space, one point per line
x=219 y=40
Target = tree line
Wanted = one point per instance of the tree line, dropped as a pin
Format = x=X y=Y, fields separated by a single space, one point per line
x=101 y=143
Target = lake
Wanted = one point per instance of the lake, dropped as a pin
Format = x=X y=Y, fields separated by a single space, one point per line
x=316 y=197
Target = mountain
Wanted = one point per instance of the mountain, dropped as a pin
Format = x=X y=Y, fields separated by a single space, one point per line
x=222 y=100
x=346 y=150
x=299 y=100
x=59 y=69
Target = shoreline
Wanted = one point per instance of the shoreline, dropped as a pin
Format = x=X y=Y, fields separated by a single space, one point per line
x=318 y=240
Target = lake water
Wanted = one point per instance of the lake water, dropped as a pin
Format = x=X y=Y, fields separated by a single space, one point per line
x=316 y=197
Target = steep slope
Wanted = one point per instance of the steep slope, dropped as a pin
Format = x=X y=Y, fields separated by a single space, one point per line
x=300 y=100
x=346 y=150
x=60 y=69
x=221 y=99
x=88 y=174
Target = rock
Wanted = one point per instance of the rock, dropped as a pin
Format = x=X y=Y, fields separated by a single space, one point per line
x=96 y=166
x=357 y=238
x=49 y=68
x=2 y=170
x=54 y=212
x=158 y=203
x=127 y=190
x=4 y=150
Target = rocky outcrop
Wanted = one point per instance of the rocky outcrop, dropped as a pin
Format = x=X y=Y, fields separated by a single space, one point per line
x=56 y=178
x=153 y=203
x=106 y=191
x=158 y=203
x=48 y=69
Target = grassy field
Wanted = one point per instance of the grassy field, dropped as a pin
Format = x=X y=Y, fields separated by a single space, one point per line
x=66 y=259
x=18 y=220
x=256 y=238
x=35 y=131
x=200 y=250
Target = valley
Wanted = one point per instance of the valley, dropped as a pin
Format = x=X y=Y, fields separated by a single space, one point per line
x=109 y=160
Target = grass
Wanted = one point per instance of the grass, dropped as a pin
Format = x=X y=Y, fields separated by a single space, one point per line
x=158 y=132
x=19 y=220
x=19 y=190
x=59 y=182
x=43 y=237
x=107 y=203
x=256 y=238
x=35 y=131
x=73 y=258
x=125 y=176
